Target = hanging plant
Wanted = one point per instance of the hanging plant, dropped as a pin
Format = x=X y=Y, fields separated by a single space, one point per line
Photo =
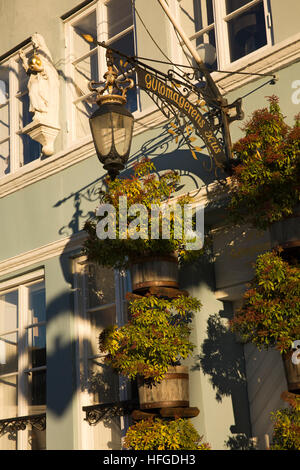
x=159 y=434
x=266 y=179
x=270 y=315
x=147 y=188
x=155 y=338
x=286 y=434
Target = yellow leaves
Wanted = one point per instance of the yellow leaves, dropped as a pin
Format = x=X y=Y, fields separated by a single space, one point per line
x=194 y=155
x=88 y=38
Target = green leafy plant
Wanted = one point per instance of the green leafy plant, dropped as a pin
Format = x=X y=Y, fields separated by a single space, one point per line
x=159 y=434
x=266 y=181
x=270 y=315
x=286 y=434
x=155 y=338
x=147 y=188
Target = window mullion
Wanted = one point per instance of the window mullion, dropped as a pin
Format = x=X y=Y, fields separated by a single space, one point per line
x=22 y=363
x=222 y=41
x=13 y=117
x=268 y=21
x=102 y=35
x=70 y=83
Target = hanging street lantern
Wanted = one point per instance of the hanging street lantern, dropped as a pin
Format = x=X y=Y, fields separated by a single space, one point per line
x=112 y=124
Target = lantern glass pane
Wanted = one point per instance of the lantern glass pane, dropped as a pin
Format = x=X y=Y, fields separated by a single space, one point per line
x=102 y=133
x=122 y=126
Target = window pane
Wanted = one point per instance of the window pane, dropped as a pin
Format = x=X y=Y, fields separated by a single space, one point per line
x=8 y=397
x=119 y=16
x=36 y=439
x=101 y=286
x=247 y=32
x=85 y=71
x=87 y=25
x=9 y=312
x=4 y=122
x=25 y=116
x=102 y=383
x=37 y=302
x=37 y=346
x=4 y=158
x=232 y=5
x=37 y=392
x=4 y=84
x=203 y=12
x=99 y=320
x=126 y=45
x=8 y=353
x=22 y=75
x=30 y=149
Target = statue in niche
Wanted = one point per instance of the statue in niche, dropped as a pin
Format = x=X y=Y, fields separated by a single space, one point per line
x=43 y=83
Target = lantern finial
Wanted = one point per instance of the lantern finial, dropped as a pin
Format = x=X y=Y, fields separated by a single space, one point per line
x=114 y=89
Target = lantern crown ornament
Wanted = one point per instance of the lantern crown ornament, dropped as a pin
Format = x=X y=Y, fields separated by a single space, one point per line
x=113 y=90
x=112 y=124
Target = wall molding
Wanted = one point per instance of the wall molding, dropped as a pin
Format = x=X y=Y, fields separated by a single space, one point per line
x=267 y=60
x=42 y=253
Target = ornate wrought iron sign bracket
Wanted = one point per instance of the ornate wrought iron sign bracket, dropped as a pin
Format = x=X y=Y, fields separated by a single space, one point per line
x=178 y=100
x=13 y=425
x=190 y=101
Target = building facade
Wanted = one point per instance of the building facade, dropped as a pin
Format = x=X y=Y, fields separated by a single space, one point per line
x=53 y=305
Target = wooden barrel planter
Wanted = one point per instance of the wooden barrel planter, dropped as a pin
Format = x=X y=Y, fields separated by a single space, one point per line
x=172 y=392
x=292 y=373
x=286 y=233
x=158 y=271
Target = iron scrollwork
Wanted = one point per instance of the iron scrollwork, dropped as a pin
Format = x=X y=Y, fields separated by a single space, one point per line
x=20 y=423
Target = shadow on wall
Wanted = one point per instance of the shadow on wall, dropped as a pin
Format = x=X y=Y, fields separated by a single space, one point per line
x=222 y=359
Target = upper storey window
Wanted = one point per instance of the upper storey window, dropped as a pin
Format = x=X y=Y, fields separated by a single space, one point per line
x=111 y=22
x=16 y=149
x=226 y=30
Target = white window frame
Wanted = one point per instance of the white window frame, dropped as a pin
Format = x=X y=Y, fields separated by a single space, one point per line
x=21 y=284
x=16 y=156
x=83 y=332
x=98 y=6
x=222 y=36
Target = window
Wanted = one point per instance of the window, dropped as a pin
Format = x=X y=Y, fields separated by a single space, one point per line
x=100 y=303
x=224 y=31
x=16 y=149
x=112 y=22
x=23 y=361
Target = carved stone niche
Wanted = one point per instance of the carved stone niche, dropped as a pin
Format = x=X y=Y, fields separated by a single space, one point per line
x=43 y=91
x=43 y=133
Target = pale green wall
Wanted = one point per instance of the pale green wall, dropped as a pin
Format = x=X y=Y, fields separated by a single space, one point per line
x=282 y=88
x=285 y=18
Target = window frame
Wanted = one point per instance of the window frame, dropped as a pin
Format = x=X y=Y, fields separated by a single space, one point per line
x=83 y=331
x=99 y=7
x=16 y=127
x=221 y=19
x=22 y=284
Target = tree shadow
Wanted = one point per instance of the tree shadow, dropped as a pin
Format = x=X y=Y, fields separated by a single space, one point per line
x=222 y=359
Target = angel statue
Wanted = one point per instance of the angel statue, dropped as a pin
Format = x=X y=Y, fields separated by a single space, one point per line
x=43 y=83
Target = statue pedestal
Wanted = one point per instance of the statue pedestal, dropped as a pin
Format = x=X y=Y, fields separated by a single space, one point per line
x=43 y=133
